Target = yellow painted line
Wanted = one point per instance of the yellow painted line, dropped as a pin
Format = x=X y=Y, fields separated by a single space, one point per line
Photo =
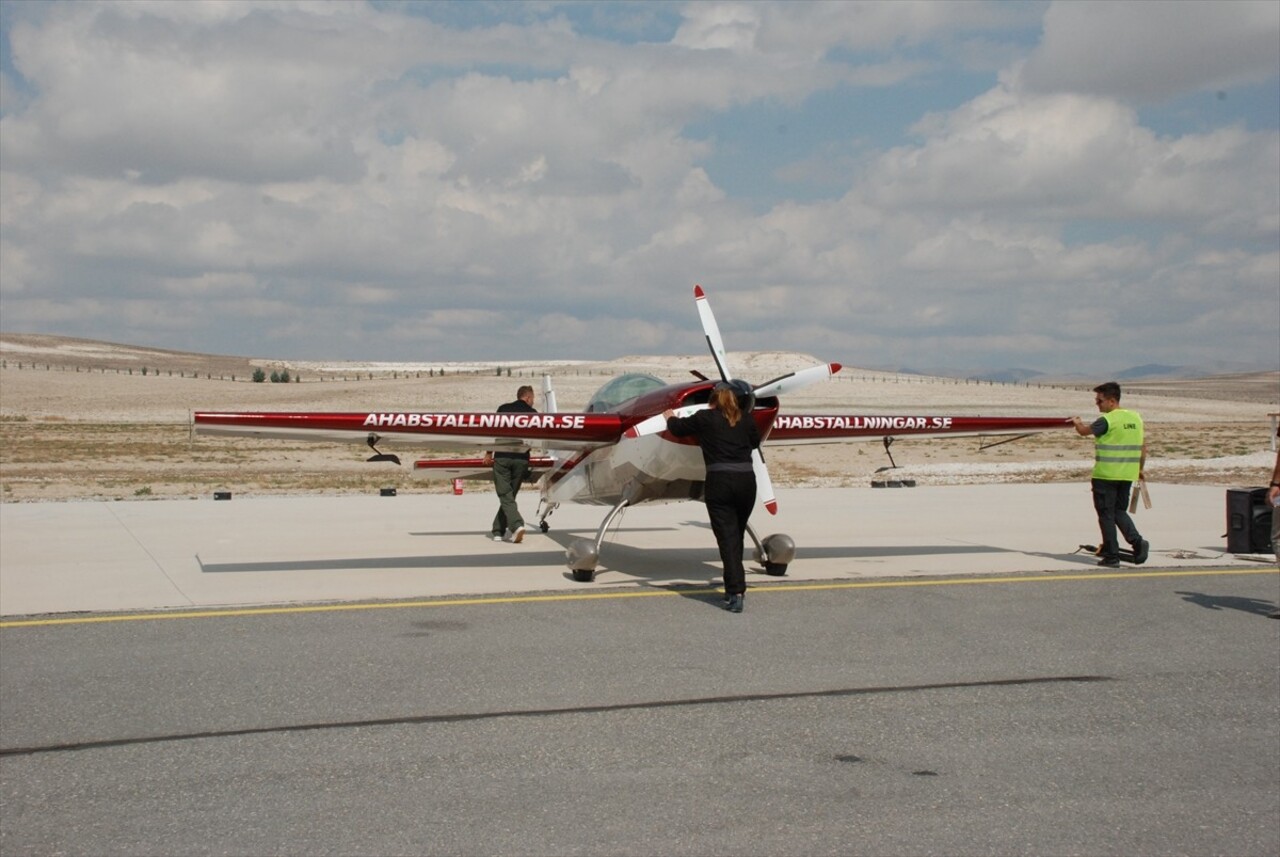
x=1048 y=577
x=333 y=608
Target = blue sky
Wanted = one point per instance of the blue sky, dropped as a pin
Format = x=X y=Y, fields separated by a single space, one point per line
x=1075 y=187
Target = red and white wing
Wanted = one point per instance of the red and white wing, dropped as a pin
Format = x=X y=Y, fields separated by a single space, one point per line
x=797 y=429
x=428 y=430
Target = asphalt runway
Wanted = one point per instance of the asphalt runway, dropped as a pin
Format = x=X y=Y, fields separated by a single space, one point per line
x=940 y=673
x=1131 y=713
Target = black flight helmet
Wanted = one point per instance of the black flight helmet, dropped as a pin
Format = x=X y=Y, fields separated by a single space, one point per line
x=743 y=392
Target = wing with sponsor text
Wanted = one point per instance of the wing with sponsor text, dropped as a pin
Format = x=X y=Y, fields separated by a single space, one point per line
x=426 y=430
x=796 y=429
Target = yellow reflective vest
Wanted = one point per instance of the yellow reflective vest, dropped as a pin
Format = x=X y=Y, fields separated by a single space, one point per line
x=1118 y=453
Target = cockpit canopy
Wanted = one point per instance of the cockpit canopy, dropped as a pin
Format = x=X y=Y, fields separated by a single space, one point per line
x=621 y=389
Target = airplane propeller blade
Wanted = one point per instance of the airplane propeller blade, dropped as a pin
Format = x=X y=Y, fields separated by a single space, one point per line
x=796 y=380
x=764 y=485
x=784 y=384
x=711 y=330
x=658 y=422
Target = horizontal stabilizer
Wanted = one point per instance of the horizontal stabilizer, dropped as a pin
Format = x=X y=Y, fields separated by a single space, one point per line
x=470 y=468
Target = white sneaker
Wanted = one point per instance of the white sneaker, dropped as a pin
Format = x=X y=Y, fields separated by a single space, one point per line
x=498 y=537
x=517 y=535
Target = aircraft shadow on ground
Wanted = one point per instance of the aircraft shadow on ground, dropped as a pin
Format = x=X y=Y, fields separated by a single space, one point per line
x=577 y=532
x=446 y=562
x=656 y=563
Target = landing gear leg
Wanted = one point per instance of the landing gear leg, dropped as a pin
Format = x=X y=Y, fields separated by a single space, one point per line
x=583 y=555
x=544 y=511
x=775 y=552
x=892 y=465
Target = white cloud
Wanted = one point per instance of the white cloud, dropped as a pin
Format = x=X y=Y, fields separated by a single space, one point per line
x=809 y=30
x=344 y=182
x=1057 y=157
x=1154 y=50
x=719 y=26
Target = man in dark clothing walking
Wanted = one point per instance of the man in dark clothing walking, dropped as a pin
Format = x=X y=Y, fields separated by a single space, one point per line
x=509 y=470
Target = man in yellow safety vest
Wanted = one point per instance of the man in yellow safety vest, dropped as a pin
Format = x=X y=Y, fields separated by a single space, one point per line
x=1120 y=453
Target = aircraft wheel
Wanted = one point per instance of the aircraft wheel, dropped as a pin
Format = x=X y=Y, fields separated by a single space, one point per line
x=779 y=550
x=582 y=559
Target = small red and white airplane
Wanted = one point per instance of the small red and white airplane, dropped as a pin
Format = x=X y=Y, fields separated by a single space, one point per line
x=618 y=452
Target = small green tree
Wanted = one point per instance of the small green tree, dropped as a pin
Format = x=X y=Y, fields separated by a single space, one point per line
x=259 y=376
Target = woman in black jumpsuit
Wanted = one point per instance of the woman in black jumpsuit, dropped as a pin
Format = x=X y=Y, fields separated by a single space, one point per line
x=727 y=437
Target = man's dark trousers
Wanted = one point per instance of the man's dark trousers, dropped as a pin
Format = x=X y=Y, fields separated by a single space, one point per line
x=508 y=473
x=1111 y=502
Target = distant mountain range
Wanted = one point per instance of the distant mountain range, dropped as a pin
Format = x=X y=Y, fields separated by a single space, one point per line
x=1145 y=372
x=50 y=348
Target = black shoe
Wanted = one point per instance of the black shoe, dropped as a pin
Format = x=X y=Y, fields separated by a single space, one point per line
x=1141 y=551
x=1106 y=562
x=735 y=604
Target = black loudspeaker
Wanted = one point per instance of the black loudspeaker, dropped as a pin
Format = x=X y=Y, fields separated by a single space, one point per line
x=1248 y=521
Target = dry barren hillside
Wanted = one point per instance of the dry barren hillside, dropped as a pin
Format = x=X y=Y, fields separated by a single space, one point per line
x=83 y=419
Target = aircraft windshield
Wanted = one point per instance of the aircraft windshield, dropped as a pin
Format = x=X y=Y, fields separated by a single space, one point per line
x=622 y=388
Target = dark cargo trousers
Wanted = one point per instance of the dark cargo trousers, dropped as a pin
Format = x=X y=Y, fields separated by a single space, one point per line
x=508 y=473
x=1111 y=502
